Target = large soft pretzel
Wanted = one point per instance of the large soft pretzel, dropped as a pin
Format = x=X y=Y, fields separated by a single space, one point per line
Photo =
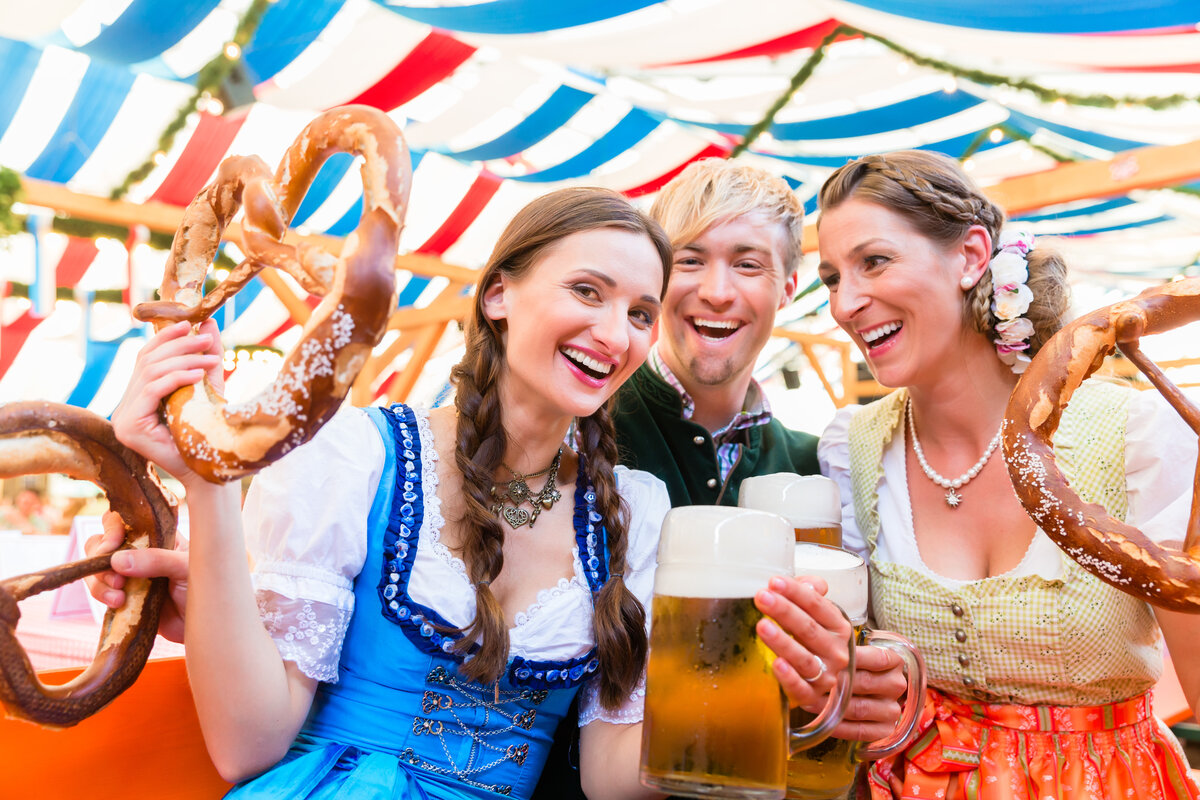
x=1106 y=547
x=222 y=442
x=38 y=438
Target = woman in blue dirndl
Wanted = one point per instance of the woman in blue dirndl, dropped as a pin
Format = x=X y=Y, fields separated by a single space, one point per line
x=430 y=589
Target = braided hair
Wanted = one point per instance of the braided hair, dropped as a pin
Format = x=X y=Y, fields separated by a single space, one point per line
x=619 y=619
x=937 y=198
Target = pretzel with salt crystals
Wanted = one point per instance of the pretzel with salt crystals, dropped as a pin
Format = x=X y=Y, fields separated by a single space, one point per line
x=1108 y=548
x=38 y=438
x=222 y=442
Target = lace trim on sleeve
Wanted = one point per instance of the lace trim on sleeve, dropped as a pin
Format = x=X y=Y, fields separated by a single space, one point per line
x=629 y=713
x=309 y=634
x=429 y=496
x=316 y=583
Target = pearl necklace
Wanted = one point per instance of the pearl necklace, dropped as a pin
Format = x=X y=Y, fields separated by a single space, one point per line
x=953 y=498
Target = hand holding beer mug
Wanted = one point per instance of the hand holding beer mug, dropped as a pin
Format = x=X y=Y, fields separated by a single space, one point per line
x=716 y=719
x=811 y=503
x=827 y=770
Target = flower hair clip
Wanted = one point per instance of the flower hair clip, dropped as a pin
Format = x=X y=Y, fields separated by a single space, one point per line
x=1011 y=297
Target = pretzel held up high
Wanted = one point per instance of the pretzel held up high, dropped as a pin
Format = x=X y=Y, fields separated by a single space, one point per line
x=1108 y=548
x=220 y=441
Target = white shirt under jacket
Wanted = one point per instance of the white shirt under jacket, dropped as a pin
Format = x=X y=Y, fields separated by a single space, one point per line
x=306 y=522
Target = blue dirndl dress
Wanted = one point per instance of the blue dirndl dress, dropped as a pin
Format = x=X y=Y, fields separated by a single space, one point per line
x=402 y=721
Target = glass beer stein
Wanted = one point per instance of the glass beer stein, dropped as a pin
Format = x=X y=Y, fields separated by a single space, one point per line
x=812 y=503
x=827 y=770
x=716 y=719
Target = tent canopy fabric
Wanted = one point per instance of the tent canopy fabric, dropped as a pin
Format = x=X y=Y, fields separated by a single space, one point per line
x=502 y=100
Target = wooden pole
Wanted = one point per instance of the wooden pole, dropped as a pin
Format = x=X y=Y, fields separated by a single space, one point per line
x=166 y=218
x=297 y=309
x=449 y=306
x=807 y=341
x=362 y=392
x=423 y=348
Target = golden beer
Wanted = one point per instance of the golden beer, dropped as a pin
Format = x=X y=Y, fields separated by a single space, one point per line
x=830 y=535
x=811 y=503
x=826 y=771
x=709 y=688
x=716 y=719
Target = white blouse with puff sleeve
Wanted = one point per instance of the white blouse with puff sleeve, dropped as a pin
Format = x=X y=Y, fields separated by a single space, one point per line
x=1157 y=446
x=306 y=522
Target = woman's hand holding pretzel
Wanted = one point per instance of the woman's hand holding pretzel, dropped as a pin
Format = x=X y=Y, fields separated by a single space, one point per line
x=108 y=587
x=173 y=358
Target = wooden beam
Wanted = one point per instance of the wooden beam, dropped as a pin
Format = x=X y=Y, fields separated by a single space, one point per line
x=166 y=218
x=362 y=393
x=423 y=348
x=1127 y=369
x=297 y=309
x=447 y=307
x=1141 y=168
x=443 y=309
x=811 y=355
x=850 y=383
x=810 y=338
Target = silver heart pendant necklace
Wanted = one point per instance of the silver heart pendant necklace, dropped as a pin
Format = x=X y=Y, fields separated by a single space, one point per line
x=511 y=495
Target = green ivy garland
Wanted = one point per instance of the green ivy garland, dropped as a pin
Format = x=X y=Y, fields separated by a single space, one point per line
x=10 y=192
x=982 y=77
x=208 y=84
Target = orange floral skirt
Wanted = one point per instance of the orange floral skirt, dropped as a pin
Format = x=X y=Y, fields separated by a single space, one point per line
x=984 y=751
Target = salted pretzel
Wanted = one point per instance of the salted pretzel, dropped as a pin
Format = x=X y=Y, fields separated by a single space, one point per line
x=1107 y=547
x=220 y=441
x=39 y=438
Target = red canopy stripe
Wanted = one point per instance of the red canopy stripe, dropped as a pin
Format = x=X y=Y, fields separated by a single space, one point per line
x=312 y=300
x=1153 y=68
x=75 y=260
x=653 y=185
x=797 y=40
x=204 y=151
x=13 y=336
x=434 y=58
x=383 y=387
x=482 y=190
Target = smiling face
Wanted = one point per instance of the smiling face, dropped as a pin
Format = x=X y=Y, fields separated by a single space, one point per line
x=726 y=285
x=578 y=322
x=896 y=292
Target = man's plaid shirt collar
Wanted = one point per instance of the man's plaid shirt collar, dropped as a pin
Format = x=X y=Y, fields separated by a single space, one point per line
x=755 y=409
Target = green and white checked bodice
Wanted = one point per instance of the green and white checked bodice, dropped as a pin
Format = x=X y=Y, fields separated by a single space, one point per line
x=1073 y=640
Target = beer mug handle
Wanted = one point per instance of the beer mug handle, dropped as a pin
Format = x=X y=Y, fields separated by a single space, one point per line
x=914 y=668
x=819 y=729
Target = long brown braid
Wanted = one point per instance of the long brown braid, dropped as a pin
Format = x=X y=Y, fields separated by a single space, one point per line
x=938 y=198
x=619 y=619
x=618 y=612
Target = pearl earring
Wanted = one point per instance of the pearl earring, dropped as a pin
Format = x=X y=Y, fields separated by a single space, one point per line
x=966 y=282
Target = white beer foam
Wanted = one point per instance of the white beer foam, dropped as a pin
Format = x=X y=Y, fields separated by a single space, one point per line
x=807 y=501
x=721 y=552
x=845 y=572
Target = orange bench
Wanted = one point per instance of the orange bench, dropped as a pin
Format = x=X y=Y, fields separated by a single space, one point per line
x=146 y=743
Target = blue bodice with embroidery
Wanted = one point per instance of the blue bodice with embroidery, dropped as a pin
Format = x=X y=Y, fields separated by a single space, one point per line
x=402 y=721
